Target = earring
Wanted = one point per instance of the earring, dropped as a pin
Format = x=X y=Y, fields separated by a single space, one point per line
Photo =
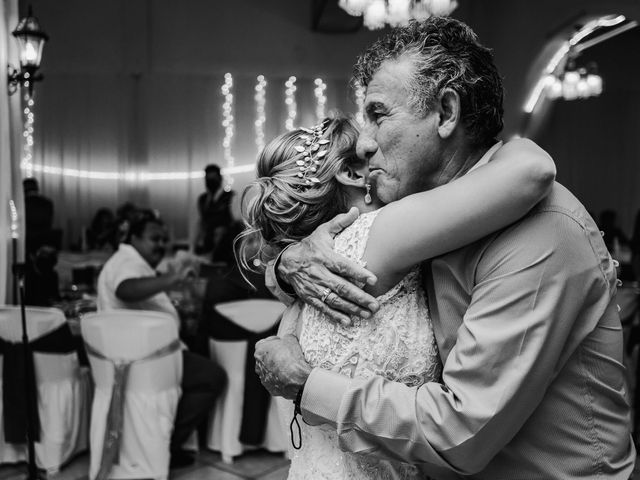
x=367 y=196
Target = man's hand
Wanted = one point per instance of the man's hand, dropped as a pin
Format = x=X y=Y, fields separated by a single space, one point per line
x=281 y=366
x=322 y=278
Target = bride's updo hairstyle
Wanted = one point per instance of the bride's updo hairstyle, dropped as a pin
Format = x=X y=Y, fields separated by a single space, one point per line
x=296 y=189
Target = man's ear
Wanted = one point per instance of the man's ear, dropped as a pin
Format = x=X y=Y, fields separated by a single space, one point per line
x=353 y=174
x=450 y=112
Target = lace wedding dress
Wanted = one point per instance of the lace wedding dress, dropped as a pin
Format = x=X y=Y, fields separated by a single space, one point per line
x=397 y=343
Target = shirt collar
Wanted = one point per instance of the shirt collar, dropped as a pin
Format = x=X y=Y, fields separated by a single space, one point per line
x=131 y=251
x=486 y=157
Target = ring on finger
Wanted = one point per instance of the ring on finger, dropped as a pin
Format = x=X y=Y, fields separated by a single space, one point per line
x=325 y=293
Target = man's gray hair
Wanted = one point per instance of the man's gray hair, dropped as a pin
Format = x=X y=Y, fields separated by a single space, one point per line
x=446 y=53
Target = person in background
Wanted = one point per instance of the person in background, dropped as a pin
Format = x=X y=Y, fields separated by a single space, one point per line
x=617 y=243
x=41 y=278
x=214 y=213
x=102 y=231
x=39 y=217
x=124 y=214
x=129 y=280
x=614 y=237
x=635 y=246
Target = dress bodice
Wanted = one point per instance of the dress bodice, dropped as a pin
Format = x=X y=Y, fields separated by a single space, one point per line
x=397 y=343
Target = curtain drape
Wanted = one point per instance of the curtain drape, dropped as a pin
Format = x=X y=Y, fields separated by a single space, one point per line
x=10 y=188
x=154 y=123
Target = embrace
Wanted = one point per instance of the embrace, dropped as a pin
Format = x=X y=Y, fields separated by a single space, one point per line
x=460 y=320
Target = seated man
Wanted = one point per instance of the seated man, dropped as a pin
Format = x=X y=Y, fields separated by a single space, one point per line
x=129 y=281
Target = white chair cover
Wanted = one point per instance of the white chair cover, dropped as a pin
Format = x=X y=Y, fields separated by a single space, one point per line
x=64 y=392
x=152 y=392
x=226 y=421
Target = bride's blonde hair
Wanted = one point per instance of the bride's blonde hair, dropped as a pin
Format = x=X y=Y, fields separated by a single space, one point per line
x=289 y=199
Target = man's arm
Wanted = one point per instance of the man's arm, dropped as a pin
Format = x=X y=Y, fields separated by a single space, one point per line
x=141 y=288
x=312 y=269
x=532 y=284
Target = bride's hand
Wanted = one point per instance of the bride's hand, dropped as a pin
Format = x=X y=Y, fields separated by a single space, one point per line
x=322 y=278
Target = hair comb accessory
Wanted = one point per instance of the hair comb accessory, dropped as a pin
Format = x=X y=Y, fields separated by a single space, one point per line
x=312 y=152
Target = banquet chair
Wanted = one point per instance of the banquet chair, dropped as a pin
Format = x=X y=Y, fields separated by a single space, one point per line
x=136 y=364
x=62 y=386
x=255 y=315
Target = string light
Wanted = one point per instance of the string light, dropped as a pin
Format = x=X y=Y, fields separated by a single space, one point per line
x=229 y=126
x=136 y=176
x=321 y=98
x=290 y=101
x=27 y=144
x=228 y=122
x=360 y=94
x=14 y=219
x=260 y=111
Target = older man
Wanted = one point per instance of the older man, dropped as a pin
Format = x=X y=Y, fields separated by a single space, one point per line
x=525 y=319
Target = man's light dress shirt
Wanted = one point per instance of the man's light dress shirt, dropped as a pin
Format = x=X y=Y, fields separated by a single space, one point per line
x=124 y=264
x=533 y=383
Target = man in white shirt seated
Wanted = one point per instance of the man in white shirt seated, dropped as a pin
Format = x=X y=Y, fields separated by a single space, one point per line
x=129 y=280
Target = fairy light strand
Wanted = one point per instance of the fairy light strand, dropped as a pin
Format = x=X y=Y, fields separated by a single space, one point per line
x=14 y=219
x=135 y=176
x=261 y=117
x=228 y=123
x=290 y=101
x=321 y=98
x=26 y=163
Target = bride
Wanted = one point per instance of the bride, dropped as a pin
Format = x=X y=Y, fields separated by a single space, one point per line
x=305 y=178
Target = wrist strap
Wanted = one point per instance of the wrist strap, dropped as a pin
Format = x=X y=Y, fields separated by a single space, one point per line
x=296 y=411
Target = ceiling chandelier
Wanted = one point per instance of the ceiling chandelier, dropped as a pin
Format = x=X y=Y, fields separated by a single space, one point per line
x=378 y=13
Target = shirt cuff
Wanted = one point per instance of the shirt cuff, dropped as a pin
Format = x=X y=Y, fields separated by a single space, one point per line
x=272 y=283
x=322 y=397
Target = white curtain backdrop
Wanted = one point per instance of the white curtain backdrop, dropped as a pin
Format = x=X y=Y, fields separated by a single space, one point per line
x=10 y=187
x=153 y=123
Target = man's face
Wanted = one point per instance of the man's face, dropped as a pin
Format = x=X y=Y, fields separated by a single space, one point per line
x=151 y=245
x=401 y=145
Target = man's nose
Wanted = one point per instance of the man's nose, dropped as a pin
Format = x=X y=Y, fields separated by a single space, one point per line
x=366 y=146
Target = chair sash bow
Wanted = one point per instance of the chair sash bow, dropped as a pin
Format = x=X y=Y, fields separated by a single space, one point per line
x=256 y=398
x=15 y=380
x=115 y=414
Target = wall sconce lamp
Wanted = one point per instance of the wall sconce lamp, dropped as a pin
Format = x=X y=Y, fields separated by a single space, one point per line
x=31 y=41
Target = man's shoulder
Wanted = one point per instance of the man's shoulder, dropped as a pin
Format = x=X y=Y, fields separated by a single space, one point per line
x=559 y=209
x=557 y=219
x=559 y=222
x=561 y=200
x=125 y=258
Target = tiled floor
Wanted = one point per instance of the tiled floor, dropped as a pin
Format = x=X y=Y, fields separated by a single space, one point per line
x=208 y=466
